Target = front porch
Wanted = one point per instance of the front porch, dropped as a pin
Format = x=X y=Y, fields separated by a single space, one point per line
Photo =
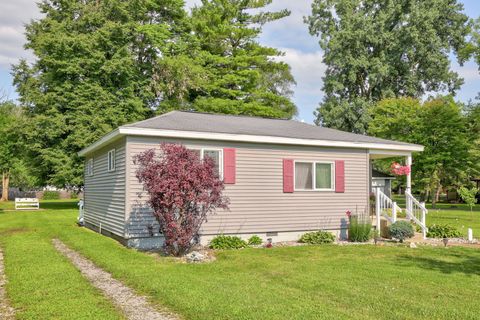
x=386 y=208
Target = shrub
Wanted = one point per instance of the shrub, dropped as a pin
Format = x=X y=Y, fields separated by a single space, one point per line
x=359 y=229
x=318 y=237
x=227 y=242
x=401 y=230
x=255 y=241
x=469 y=196
x=443 y=231
x=51 y=195
x=182 y=190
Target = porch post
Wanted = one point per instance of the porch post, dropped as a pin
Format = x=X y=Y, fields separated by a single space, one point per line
x=409 y=175
x=377 y=210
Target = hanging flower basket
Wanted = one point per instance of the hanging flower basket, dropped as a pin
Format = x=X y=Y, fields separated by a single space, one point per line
x=399 y=170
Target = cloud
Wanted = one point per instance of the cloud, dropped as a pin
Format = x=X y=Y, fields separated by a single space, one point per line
x=13 y=16
x=308 y=70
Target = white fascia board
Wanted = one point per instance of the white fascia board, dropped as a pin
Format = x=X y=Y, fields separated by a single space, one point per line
x=381 y=148
x=100 y=143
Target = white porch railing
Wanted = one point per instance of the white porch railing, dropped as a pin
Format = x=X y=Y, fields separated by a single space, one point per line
x=385 y=207
x=417 y=212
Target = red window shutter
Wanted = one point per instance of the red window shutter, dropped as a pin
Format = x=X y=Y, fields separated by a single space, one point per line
x=229 y=164
x=287 y=175
x=339 y=176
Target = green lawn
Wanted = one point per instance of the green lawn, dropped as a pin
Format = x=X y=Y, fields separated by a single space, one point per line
x=458 y=215
x=314 y=282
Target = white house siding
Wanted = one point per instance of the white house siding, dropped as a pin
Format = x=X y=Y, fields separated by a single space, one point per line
x=258 y=204
x=105 y=191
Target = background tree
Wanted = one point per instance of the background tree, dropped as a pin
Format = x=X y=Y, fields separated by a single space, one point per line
x=472 y=49
x=241 y=76
x=473 y=116
x=379 y=49
x=441 y=126
x=101 y=64
x=183 y=190
x=96 y=68
x=468 y=196
x=13 y=168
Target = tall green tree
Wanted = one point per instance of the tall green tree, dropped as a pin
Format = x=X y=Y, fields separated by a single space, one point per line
x=240 y=75
x=472 y=49
x=13 y=167
x=473 y=114
x=379 y=49
x=440 y=125
x=99 y=64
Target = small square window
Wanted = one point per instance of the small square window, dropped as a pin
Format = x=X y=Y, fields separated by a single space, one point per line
x=323 y=176
x=111 y=160
x=303 y=176
x=215 y=155
x=90 y=167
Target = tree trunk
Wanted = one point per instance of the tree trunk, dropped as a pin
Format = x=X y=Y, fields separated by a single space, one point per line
x=5 y=183
x=436 y=197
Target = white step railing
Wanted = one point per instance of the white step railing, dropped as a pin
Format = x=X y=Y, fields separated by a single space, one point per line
x=416 y=211
x=384 y=206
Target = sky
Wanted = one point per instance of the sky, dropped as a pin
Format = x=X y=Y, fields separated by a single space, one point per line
x=290 y=35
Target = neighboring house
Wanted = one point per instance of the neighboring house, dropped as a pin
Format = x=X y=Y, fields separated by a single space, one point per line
x=382 y=181
x=477 y=182
x=453 y=196
x=283 y=177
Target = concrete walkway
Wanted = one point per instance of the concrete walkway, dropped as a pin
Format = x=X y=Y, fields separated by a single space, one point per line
x=133 y=306
x=6 y=312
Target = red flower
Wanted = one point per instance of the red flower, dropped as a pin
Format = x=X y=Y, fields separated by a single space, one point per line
x=399 y=170
x=348 y=213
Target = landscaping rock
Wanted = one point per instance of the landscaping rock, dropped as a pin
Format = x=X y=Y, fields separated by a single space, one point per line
x=194 y=257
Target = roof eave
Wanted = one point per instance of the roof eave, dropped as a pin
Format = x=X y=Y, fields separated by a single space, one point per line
x=135 y=131
x=115 y=134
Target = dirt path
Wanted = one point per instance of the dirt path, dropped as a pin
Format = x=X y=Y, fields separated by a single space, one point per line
x=6 y=312
x=134 y=307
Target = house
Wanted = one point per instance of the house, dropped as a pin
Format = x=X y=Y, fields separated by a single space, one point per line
x=283 y=177
x=382 y=181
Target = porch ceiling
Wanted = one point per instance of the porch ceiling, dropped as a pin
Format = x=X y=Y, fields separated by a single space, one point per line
x=382 y=154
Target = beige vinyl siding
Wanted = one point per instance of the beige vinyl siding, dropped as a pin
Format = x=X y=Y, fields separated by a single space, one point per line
x=258 y=203
x=105 y=191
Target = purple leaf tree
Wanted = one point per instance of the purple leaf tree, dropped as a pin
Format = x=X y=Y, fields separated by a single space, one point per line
x=183 y=190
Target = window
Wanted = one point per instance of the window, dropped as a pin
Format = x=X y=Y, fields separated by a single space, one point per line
x=90 y=167
x=314 y=176
x=111 y=160
x=216 y=155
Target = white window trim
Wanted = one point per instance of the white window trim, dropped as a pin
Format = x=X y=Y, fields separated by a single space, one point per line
x=314 y=164
x=90 y=167
x=114 y=162
x=220 y=160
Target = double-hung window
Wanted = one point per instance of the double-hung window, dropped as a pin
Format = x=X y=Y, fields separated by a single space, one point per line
x=90 y=167
x=216 y=155
x=314 y=175
x=111 y=160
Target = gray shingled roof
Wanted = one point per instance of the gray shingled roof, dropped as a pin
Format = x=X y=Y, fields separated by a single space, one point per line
x=217 y=123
